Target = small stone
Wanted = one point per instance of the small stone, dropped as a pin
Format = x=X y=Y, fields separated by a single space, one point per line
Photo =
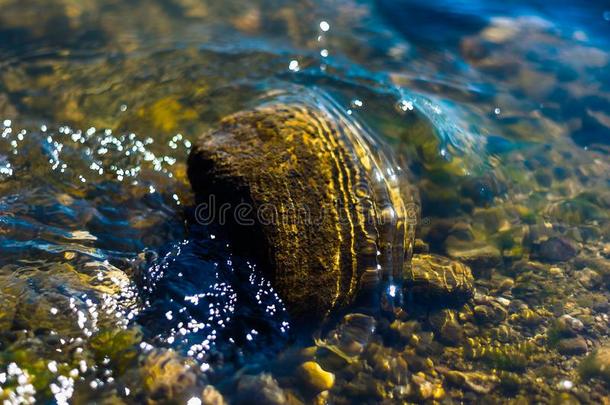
x=525 y=266
x=405 y=329
x=438 y=393
x=489 y=313
x=483 y=313
x=599 y=265
x=316 y=377
x=381 y=364
x=445 y=325
x=565 y=385
x=569 y=323
x=481 y=258
x=414 y=340
x=422 y=389
x=506 y=285
x=321 y=398
x=529 y=317
x=557 y=249
x=211 y=396
x=259 y=389
x=351 y=335
x=480 y=383
x=572 y=346
x=589 y=279
x=435 y=277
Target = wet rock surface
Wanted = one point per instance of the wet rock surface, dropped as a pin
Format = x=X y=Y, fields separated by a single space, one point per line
x=557 y=249
x=430 y=277
x=298 y=170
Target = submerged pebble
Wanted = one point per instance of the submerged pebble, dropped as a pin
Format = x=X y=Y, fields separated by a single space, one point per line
x=576 y=345
x=260 y=389
x=481 y=258
x=432 y=276
x=557 y=249
x=316 y=377
x=475 y=381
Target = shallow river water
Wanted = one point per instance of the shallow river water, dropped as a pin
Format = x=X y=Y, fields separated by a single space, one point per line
x=110 y=292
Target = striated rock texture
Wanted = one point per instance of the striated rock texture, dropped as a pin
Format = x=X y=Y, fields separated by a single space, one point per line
x=436 y=277
x=333 y=214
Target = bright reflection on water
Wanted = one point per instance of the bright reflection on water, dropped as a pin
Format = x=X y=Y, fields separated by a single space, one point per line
x=198 y=295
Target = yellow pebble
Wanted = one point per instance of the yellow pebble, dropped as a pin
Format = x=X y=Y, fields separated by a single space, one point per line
x=438 y=393
x=414 y=341
x=321 y=398
x=316 y=377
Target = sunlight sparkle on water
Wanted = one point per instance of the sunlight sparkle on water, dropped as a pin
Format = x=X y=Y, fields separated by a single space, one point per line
x=293 y=65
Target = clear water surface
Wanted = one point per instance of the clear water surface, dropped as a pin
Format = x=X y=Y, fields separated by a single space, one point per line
x=110 y=293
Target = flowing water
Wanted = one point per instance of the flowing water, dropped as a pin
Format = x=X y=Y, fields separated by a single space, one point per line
x=110 y=292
